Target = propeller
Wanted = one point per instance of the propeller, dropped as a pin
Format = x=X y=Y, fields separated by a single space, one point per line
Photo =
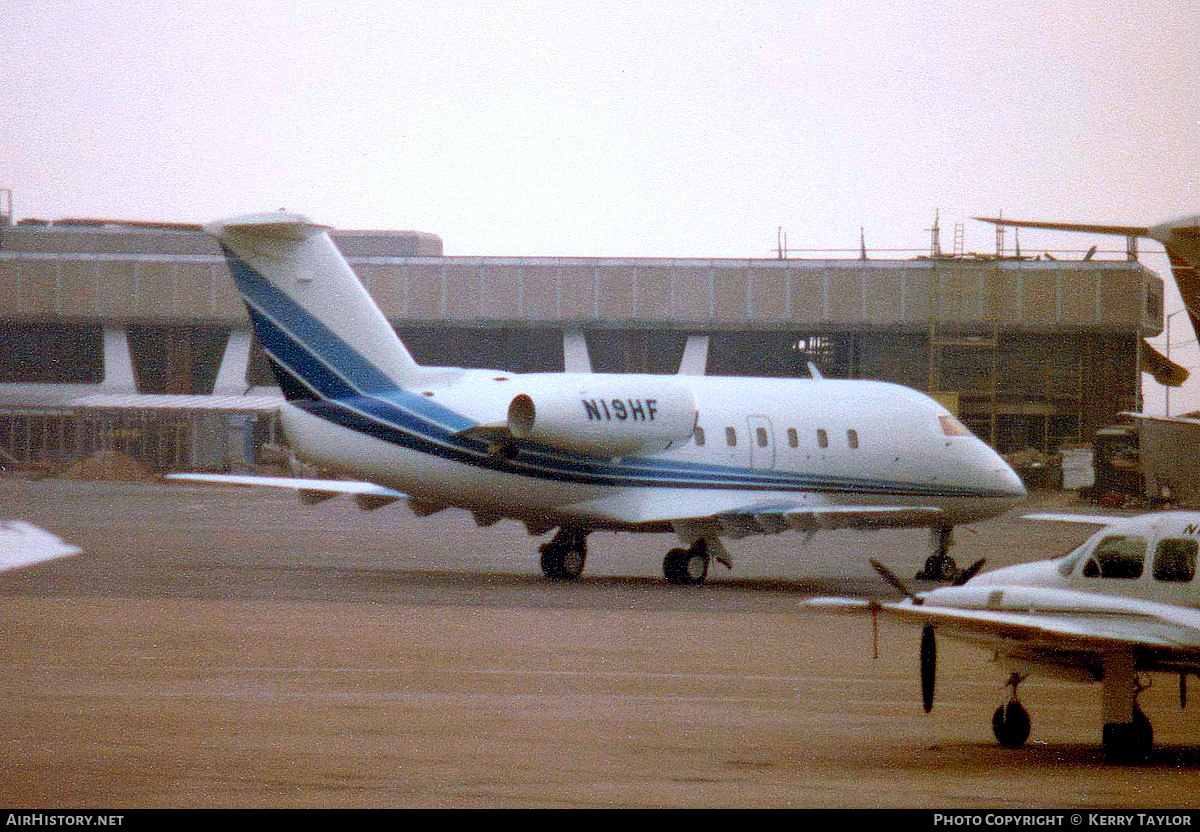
x=970 y=572
x=928 y=642
x=890 y=576
x=928 y=666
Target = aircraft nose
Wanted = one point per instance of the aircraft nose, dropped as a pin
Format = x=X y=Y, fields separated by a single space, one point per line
x=1009 y=483
x=1003 y=479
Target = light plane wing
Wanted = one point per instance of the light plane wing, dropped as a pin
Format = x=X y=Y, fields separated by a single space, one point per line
x=1047 y=625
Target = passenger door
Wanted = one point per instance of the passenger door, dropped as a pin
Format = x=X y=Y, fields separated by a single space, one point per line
x=762 y=442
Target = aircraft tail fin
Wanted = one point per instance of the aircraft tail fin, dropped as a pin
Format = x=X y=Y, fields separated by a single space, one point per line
x=321 y=330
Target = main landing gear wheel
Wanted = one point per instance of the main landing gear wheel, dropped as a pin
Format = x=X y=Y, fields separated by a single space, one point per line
x=687 y=566
x=1011 y=723
x=564 y=556
x=1128 y=743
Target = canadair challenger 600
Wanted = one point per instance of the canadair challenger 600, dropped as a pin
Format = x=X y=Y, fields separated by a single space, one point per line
x=699 y=456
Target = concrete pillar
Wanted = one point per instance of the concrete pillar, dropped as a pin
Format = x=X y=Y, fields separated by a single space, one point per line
x=575 y=352
x=118 y=362
x=231 y=377
x=695 y=356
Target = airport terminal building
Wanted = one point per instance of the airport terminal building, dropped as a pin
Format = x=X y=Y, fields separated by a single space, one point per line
x=132 y=338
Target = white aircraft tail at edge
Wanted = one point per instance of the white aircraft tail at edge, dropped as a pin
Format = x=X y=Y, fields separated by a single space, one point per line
x=1122 y=604
x=704 y=457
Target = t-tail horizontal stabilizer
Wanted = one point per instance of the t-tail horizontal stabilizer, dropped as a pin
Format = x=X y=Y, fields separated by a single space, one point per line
x=1179 y=237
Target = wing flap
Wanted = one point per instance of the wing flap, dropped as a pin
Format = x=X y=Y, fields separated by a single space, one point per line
x=826 y=518
x=774 y=519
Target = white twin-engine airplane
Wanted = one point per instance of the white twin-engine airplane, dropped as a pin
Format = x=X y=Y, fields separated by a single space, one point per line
x=1121 y=605
x=703 y=457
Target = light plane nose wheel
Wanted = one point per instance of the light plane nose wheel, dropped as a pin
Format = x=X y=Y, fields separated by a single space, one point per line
x=564 y=556
x=1011 y=724
x=1129 y=743
x=687 y=566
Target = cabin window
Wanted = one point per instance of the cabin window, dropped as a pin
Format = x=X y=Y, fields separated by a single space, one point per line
x=699 y=434
x=760 y=436
x=1117 y=556
x=1175 y=560
x=730 y=437
x=852 y=438
x=822 y=438
x=793 y=438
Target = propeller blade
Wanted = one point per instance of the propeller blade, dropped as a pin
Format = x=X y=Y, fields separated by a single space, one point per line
x=928 y=667
x=874 y=630
x=891 y=578
x=970 y=572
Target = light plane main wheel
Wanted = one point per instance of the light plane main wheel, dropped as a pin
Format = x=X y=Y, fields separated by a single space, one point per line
x=1129 y=743
x=1011 y=724
x=686 y=566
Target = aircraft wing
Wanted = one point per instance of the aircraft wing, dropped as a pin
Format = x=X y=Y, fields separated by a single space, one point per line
x=1081 y=519
x=736 y=515
x=368 y=495
x=24 y=544
x=823 y=518
x=1067 y=630
x=1063 y=634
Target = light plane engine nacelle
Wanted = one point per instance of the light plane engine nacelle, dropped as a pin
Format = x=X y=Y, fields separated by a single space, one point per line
x=606 y=416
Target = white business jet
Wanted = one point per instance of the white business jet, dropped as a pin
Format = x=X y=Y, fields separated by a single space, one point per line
x=1122 y=604
x=703 y=457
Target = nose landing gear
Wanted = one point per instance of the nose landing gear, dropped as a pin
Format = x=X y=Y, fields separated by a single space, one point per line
x=1129 y=743
x=940 y=566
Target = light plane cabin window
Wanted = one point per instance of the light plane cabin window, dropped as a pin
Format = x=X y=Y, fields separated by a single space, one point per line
x=1117 y=556
x=730 y=437
x=760 y=436
x=793 y=438
x=822 y=438
x=1175 y=559
x=852 y=438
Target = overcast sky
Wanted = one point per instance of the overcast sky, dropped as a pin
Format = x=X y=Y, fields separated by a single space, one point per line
x=616 y=128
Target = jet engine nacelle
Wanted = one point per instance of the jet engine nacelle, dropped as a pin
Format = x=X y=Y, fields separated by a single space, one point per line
x=606 y=416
